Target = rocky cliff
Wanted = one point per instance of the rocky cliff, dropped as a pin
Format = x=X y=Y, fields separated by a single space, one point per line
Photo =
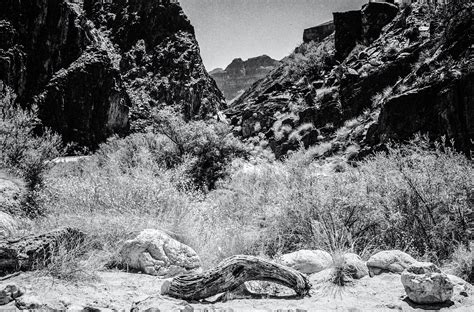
x=240 y=75
x=386 y=74
x=96 y=67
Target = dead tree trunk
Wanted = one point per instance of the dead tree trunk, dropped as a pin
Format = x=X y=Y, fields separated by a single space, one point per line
x=27 y=252
x=232 y=273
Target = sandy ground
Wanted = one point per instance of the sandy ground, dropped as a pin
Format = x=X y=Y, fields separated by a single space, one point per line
x=122 y=291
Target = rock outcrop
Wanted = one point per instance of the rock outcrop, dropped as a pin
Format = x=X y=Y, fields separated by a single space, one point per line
x=444 y=108
x=240 y=75
x=362 y=26
x=87 y=102
x=348 y=26
x=307 y=261
x=44 y=38
x=383 y=75
x=156 y=253
x=425 y=284
x=158 y=57
x=319 y=32
x=392 y=261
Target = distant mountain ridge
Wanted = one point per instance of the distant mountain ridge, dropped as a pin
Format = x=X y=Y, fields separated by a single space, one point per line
x=239 y=75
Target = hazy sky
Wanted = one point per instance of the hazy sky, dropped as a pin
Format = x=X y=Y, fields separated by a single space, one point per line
x=227 y=29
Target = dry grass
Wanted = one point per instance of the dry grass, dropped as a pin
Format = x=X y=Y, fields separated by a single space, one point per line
x=262 y=208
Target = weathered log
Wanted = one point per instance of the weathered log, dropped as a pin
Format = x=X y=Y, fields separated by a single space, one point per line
x=232 y=273
x=27 y=252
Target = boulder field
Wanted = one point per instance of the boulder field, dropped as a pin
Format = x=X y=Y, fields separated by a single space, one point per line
x=397 y=280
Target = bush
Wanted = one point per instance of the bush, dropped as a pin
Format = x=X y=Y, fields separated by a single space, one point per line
x=23 y=152
x=411 y=198
x=309 y=60
x=461 y=263
x=210 y=143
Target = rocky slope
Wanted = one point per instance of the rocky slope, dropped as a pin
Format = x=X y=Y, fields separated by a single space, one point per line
x=240 y=75
x=94 y=67
x=400 y=72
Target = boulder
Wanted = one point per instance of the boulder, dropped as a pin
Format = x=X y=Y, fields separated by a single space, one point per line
x=156 y=253
x=307 y=261
x=394 y=261
x=355 y=266
x=424 y=283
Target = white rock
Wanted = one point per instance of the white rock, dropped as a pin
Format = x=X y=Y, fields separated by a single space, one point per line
x=424 y=283
x=307 y=261
x=156 y=253
x=356 y=267
x=394 y=261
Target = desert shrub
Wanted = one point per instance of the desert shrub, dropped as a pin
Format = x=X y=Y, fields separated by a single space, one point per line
x=309 y=60
x=461 y=263
x=210 y=143
x=412 y=198
x=22 y=151
x=112 y=197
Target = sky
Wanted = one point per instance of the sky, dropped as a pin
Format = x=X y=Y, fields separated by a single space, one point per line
x=228 y=29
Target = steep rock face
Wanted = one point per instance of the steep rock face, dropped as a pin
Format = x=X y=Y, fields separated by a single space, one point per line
x=89 y=64
x=158 y=57
x=319 y=32
x=348 y=26
x=408 y=80
x=100 y=100
x=444 y=108
x=41 y=39
x=240 y=75
x=362 y=26
x=375 y=15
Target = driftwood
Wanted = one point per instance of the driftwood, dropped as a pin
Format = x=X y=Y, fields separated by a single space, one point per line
x=27 y=252
x=230 y=274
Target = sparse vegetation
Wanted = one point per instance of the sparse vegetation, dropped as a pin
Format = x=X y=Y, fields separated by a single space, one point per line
x=309 y=59
x=22 y=151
